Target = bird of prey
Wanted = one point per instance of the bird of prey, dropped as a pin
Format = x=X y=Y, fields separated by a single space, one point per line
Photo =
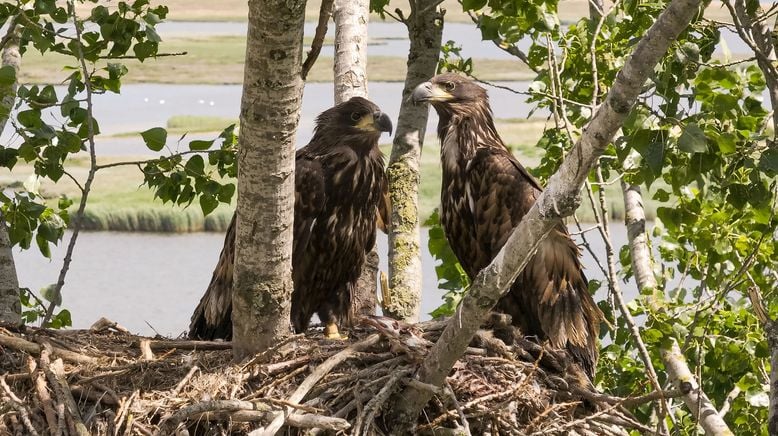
x=340 y=189
x=485 y=194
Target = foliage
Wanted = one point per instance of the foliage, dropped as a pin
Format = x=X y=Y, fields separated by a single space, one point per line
x=451 y=276
x=697 y=138
x=53 y=126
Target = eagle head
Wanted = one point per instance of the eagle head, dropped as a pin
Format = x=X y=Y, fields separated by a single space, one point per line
x=357 y=117
x=450 y=92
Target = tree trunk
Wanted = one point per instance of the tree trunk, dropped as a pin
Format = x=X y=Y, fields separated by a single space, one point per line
x=560 y=199
x=425 y=29
x=350 y=68
x=351 y=18
x=675 y=364
x=270 y=112
x=10 y=306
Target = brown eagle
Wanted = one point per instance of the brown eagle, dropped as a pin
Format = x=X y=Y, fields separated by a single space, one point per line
x=339 y=186
x=485 y=194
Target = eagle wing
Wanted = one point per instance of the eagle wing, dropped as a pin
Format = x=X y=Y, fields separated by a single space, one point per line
x=309 y=199
x=550 y=298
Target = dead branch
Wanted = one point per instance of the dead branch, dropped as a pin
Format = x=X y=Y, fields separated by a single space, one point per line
x=325 y=12
x=35 y=349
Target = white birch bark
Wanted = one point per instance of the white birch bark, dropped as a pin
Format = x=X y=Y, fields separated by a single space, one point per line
x=270 y=112
x=10 y=306
x=425 y=29
x=560 y=199
x=351 y=18
x=675 y=364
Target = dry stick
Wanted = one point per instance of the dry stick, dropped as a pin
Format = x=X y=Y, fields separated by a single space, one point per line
x=35 y=349
x=55 y=372
x=124 y=407
x=307 y=384
x=38 y=380
x=45 y=365
x=325 y=12
x=184 y=381
x=371 y=408
x=18 y=405
x=145 y=350
x=558 y=200
x=89 y=178
x=461 y=411
x=181 y=344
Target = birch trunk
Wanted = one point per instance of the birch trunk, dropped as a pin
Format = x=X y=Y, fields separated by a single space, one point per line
x=425 y=29
x=560 y=199
x=675 y=364
x=270 y=112
x=350 y=68
x=10 y=306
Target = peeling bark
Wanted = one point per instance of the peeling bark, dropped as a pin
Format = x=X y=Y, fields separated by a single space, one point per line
x=425 y=30
x=10 y=306
x=270 y=112
x=559 y=200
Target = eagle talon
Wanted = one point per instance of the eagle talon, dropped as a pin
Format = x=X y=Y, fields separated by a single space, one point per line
x=331 y=332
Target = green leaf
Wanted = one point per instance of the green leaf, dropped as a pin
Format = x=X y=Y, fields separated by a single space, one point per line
x=693 y=139
x=200 y=145
x=470 y=5
x=7 y=76
x=195 y=165
x=155 y=138
x=768 y=162
x=208 y=203
x=144 y=50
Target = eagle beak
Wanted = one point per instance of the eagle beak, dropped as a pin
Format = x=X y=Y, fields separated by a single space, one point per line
x=382 y=122
x=429 y=92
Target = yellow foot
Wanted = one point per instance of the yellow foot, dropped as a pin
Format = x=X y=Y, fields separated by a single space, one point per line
x=331 y=332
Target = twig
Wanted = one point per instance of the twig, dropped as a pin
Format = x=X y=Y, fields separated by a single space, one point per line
x=307 y=384
x=55 y=373
x=158 y=55
x=453 y=396
x=184 y=381
x=18 y=405
x=731 y=396
x=325 y=12
x=123 y=409
x=35 y=349
x=145 y=349
x=374 y=405
x=78 y=218
x=38 y=380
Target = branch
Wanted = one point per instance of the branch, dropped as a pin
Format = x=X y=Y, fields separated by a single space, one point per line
x=158 y=55
x=325 y=12
x=90 y=176
x=558 y=200
x=511 y=49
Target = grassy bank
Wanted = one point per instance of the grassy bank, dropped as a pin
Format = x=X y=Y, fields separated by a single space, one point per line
x=119 y=202
x=219 y=60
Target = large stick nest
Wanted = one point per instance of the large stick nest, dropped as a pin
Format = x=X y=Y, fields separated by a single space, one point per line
x=106 y=381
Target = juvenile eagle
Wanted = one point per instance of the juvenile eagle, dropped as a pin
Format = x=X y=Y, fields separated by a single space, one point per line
x=339 y=187
x=485 y=194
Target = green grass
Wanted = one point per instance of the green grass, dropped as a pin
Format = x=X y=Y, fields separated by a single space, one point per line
x=197 y=124
x=219 y=60
x=119 y=202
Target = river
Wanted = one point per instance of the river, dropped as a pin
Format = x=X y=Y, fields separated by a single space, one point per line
x=151 y=282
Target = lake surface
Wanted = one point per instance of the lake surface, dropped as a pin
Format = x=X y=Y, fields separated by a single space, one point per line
x=140 y=278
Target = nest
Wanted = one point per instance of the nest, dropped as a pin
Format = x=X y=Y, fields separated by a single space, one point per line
x=105 y=381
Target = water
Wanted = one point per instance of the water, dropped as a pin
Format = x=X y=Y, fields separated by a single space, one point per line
x=143 y=106
x=140 y=278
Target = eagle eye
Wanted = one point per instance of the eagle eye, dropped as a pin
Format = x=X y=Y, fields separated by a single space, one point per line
x=450 y=86
x=355 y=116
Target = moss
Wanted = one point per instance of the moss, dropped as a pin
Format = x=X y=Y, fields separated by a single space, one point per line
x=403 y=188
